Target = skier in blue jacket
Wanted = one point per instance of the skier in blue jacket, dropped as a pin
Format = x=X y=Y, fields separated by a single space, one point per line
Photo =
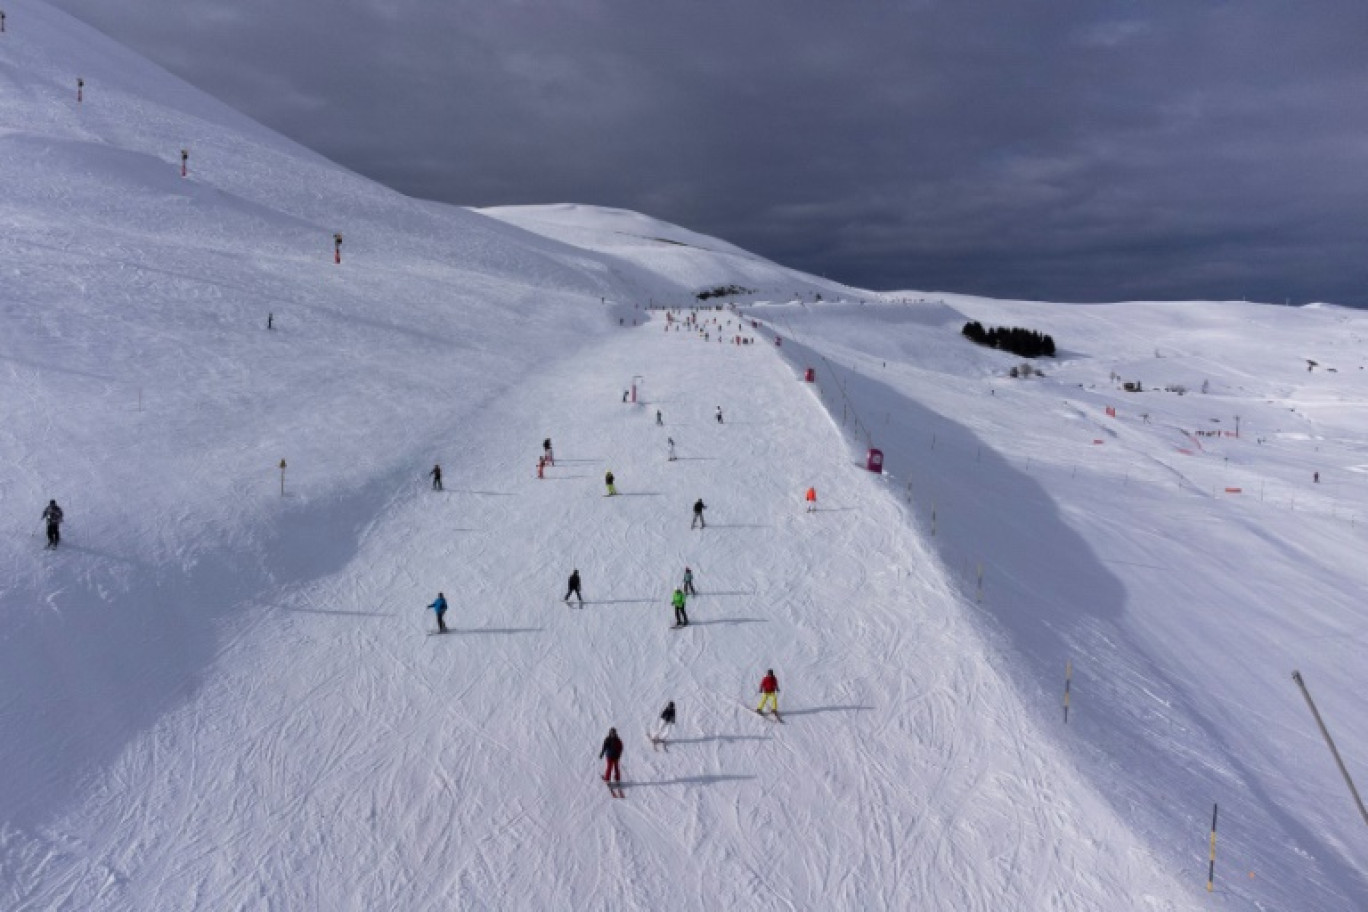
x=440 y=606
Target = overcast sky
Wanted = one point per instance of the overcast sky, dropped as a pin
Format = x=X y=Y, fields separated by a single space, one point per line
x=1074 y=150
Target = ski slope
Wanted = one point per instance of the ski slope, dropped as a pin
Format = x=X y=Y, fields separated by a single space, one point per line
x=219 y=692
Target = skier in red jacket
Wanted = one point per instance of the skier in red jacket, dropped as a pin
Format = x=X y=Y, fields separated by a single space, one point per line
x=769 y=693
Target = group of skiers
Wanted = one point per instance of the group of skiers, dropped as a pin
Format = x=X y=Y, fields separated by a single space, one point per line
x=612 y=748
x=659 y=735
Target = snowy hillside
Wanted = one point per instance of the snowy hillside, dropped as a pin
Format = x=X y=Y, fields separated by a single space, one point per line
x=217 y=693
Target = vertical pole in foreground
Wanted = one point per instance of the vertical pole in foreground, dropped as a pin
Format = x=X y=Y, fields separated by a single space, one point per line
x=282 y=478
x=1296 y=676
x=1068 y=682
x=1211 y=868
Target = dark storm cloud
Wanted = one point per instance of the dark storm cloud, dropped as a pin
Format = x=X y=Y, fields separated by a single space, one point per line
x=1056 y=149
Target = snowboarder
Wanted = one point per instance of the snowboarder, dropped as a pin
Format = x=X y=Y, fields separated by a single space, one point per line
x=698 y=521
x=811 y=498
x=53 y=514
x=659 y=419
x=547 y=454
x=436 y=474
x=574 y=588
x=669 y=441
x=664 y=725
x=440 y=607
x=769 y=693
x=612 y=751
x=688 y=582
x=719 y=408
x=678 y=600
x=608 y=480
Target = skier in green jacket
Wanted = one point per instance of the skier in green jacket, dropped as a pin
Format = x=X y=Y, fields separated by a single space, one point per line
x=681 y=616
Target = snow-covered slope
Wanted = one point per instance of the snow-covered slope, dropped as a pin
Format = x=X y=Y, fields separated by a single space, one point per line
x=218 y=692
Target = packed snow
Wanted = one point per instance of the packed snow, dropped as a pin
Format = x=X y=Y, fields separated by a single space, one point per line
x=221 y=692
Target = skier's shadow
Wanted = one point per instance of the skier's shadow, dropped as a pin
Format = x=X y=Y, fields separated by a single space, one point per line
x=620 y=601
x=725 y=739
x=508 y=631
x=824 y=709
x=729 y=621
x=688 y=780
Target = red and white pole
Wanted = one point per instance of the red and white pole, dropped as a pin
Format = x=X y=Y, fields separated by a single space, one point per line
x=337 y=248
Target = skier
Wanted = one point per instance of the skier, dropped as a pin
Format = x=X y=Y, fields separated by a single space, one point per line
x=541 y=466
x=719 y=408
x=440 y=606
x=1315 y=476
x=698 y=522
x=608 y=480
x=688 y=582
x=547 y=454
x=664 y=725
x=769 y=693
x=625 y=394
x=436 y=474
x=670 y=442
x=270 y=321
x=612 y=751
x=811 y=498
x=574 y=588
x=681 y=616
x=659 y=419
x=53 y=514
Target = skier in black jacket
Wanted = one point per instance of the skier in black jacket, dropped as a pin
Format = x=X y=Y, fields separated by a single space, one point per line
x=664 y=724
x=698 y=521
x=574 y=588
x=53 y=514
x=612 y=751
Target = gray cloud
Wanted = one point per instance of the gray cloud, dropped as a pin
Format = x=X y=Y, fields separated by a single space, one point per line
x=1070 y=150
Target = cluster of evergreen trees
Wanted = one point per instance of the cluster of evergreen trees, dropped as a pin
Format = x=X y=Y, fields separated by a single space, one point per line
x=724 y=291
x=1024 y=342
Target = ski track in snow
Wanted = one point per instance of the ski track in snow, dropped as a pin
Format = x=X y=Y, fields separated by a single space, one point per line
x=338 y=758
